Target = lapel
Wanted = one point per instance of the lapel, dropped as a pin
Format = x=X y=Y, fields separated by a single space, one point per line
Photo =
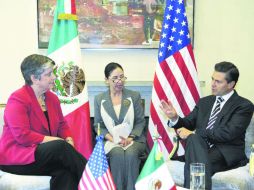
x=226 y=108
x=125 y=104
x=35 y=108
x=209 y=106
x=50 y=104
x=108 y=106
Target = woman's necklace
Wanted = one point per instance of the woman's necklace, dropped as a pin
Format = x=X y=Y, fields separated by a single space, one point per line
x=41 y=101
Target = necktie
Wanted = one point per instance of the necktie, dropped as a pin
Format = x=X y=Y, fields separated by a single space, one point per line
x=214 y=113
x=213 y=117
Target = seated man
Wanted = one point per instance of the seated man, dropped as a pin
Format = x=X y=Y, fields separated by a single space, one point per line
x=219 y=121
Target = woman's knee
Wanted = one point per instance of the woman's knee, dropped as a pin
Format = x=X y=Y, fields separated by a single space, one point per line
x=119 y=152
x=116 y=154
x=131 y=156
x=58 y=145
x=57 y=148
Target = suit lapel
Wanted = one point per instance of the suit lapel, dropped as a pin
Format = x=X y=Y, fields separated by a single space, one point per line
x=209 y=106
x=226 y=108
x=50 y=104
x=125 y=104
x=108 y=106
x=36 y=108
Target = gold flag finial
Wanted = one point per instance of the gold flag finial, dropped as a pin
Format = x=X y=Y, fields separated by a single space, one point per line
x=65 y=16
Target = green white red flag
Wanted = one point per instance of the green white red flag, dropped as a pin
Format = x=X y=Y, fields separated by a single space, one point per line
x=155 y=173
x=71 y=87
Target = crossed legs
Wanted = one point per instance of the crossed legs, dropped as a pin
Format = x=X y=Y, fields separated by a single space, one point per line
x=57 y=159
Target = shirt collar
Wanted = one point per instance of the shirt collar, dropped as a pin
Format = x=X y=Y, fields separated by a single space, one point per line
x=226 y=96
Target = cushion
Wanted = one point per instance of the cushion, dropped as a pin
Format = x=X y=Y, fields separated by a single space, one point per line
x=249 y=138
x=176 y=169
x=21 y=182
x=235 y=179
x=1 y=119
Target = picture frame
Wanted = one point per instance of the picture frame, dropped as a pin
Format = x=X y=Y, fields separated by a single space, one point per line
x=112 y=24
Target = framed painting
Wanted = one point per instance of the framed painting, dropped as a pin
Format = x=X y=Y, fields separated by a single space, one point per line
x=112 y=23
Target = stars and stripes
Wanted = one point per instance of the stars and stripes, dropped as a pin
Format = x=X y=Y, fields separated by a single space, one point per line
x=96 y=175
x=176 y=74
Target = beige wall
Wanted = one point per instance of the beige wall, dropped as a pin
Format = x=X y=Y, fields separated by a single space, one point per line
x=224 y=30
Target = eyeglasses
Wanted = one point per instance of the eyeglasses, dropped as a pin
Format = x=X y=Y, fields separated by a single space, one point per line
x=116 y=80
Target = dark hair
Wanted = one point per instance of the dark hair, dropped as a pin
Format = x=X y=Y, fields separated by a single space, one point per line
x=232 y=73
x=111 y=67
x=35 y=64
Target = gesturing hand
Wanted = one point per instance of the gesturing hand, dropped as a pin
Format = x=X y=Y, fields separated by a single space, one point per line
x=168 y=109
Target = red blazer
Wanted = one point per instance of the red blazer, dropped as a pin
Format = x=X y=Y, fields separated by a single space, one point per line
x=26 y=125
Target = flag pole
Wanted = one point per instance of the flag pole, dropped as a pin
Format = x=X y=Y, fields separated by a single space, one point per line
x=99 y=129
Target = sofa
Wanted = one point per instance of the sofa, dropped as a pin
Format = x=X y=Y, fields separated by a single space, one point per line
x=235 y=179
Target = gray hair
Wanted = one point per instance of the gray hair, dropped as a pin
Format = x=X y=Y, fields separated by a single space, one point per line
x=35 y=64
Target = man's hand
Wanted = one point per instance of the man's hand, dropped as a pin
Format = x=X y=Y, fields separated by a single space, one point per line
x=183 y=132
x=169 y=110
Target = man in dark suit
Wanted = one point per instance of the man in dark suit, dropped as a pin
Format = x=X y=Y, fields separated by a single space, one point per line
x=215 y=129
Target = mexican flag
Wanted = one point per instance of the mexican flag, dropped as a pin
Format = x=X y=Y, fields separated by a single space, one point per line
x=155 y=173
x=71 y=86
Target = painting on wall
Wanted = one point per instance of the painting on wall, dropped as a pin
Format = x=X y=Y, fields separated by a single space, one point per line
x=112 y=23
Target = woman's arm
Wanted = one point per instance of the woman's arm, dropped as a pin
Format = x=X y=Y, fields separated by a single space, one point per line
x=16 y=117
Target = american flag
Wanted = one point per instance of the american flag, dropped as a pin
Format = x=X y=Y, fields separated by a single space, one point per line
x=97 y=175
x=176 y=74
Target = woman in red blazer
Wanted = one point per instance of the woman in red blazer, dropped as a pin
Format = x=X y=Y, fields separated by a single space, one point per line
x=36 y=139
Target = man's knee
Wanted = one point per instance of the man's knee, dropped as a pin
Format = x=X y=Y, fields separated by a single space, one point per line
x=195 y=142
x=192 y=138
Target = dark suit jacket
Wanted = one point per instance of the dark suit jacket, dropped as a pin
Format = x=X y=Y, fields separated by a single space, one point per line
x=228 y=133
x=139 y=118
x=26 y=126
